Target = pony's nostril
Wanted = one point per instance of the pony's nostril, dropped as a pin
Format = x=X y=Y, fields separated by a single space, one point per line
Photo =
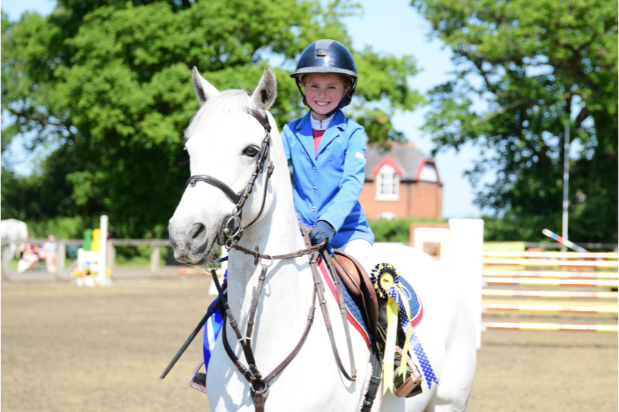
x=197 y=230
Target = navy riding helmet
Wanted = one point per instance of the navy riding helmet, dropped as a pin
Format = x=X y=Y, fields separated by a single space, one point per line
x=327 y=56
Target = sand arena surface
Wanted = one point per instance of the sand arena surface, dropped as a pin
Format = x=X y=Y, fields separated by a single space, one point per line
x=102 y=349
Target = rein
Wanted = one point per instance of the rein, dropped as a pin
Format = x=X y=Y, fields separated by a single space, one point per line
x=259 y=386
x=233 y=229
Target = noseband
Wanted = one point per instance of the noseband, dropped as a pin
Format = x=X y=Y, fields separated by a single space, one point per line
x=231 y=227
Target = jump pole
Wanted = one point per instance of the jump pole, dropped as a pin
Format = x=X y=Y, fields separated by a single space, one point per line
x=554 y=263
x=568 y=255
x=564 y=241
x=549 y=274
x=549 y=294
x=563 y=327
x=552 y=282
x=550 y=308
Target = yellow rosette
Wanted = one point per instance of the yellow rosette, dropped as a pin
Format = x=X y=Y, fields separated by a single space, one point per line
x=386 y=281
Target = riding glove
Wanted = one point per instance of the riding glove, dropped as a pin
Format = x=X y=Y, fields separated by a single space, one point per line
x=321 y=232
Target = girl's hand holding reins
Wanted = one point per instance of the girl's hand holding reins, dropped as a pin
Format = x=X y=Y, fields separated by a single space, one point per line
x=322 y=232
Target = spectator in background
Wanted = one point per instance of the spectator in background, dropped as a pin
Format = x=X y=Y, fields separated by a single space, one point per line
x=48 y=252
x=29 y=256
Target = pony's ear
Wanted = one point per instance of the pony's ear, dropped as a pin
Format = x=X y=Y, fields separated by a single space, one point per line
x=204 y=90
x=265 y=93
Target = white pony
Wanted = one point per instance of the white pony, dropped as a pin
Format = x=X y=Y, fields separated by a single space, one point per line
x=14 y=232
x=222 y=140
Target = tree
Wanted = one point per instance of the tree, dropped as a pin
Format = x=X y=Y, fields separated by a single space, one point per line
x=535 y=66
x=108 y=82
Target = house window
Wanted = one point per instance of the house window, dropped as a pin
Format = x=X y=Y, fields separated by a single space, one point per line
x=388 y=183
x=428 y=173
x=433 y=249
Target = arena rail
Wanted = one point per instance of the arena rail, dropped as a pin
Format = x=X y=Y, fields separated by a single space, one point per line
x=154 y=244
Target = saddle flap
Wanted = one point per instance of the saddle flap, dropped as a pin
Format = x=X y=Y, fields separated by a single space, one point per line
x=363 y=284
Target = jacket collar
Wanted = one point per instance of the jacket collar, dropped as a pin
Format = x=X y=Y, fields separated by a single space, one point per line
x=306 y=137
x=339 y=120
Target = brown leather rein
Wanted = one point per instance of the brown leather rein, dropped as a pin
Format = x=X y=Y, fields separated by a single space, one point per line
x=233 y=230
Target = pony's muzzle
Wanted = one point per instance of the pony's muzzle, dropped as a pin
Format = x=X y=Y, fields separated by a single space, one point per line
x=190 y=242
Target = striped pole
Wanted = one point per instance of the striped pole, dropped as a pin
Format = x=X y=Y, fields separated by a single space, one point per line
x=563 y=241
x=535 y=262
x=562 y=255
x=550 y=308
x=551 y=327
x=548 y=294
x=550 y=274
x=552 y=282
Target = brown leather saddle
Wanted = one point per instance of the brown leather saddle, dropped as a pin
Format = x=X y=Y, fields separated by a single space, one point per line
x=358 y=282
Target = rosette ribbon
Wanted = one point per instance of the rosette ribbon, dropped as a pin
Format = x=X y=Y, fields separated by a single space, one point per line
x=386 y=280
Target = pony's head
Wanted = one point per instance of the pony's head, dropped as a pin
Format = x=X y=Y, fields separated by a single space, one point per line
x=224 y=142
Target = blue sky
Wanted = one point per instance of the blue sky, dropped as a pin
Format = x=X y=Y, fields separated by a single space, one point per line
x=390 y=26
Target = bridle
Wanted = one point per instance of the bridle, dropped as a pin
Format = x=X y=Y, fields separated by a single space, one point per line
x=232 y=229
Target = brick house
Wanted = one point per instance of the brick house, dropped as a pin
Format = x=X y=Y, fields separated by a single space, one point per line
x=401 y=182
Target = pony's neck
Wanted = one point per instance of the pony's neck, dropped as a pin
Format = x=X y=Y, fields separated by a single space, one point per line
x=277 y=233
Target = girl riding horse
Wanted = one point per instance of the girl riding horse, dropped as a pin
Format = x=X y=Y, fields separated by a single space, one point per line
x=327 y=152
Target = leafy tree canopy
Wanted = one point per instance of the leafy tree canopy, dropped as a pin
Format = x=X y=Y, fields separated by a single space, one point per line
x=536 y=66
x=108 y=82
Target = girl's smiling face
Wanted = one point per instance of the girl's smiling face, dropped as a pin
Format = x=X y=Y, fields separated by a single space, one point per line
x=323 y=92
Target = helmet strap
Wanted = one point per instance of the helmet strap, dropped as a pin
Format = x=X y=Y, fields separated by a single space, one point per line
x=302 y=94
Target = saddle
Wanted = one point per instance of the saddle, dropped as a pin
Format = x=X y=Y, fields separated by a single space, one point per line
x=358 y=283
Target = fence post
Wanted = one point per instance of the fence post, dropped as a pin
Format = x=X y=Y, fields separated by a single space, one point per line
x=111 y=256
x=61 y=253
x=102 y=279
x=154 y=259
x=466 y=242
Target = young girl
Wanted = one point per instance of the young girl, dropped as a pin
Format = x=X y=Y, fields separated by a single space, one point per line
x=327 y=152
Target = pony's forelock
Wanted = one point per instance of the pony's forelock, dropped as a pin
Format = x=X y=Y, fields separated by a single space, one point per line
x=229 y=102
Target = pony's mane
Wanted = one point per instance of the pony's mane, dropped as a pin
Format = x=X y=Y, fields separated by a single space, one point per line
x=229 y=102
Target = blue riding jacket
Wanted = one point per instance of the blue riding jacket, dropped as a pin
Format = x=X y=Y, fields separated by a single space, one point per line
x=327 y=184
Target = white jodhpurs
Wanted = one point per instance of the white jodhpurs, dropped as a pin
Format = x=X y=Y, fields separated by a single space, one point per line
x=361 y=250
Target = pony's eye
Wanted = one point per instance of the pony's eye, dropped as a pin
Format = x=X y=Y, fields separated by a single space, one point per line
x=250 y=151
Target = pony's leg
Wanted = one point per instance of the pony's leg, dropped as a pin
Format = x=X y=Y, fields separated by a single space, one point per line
x=456 y=381
x=13 y=251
